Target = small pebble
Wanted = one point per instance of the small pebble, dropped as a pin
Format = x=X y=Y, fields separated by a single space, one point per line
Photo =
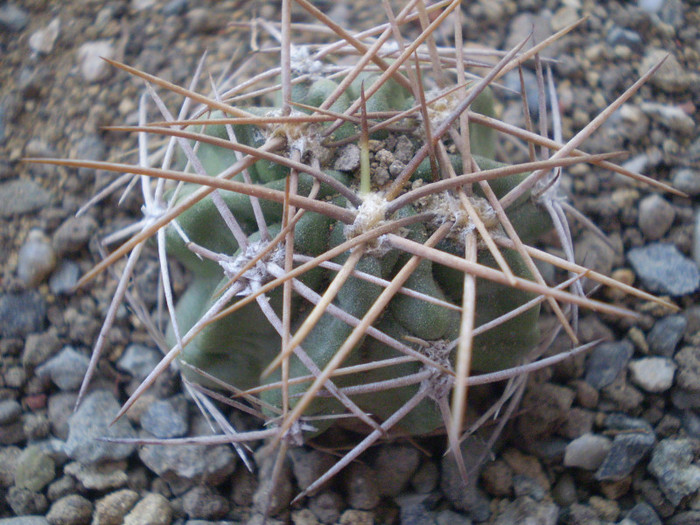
x=34 y=469
x=66 y=369
x=587 y=452
x=360 y=487
x=643 y=514
x=36 y=259
x=326 y=506
x=10 y=410
x=93 y=420
x=653 y=374
x=687 y=180
x=666 y=334
x=21 y=313
x=204 y=503
x=606 y=362
x=100 y=476
x=18 y=197
x=672 y=117
x=526 y=510
x=73 y=234
x=663 y=269
x=25 y=502
x=163 y=420
x=633 y=442
x=64 y=277
x=688 y=361
x=656 y=216
x=153 y=509
x=650 y=6
x=90 y=55
x=138 y=360
x=672 y=464
x=394 y=466
x=70 y=510
x=111 y=509
x=43 y=40
x=13 y=18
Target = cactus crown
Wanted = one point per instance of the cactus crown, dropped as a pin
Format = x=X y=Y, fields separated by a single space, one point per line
x=356 y=246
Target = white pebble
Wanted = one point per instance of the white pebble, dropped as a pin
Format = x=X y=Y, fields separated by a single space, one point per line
x=36 y=259
x=42 y=41
x=90 y=55
x=587 y=451
x=653 y=374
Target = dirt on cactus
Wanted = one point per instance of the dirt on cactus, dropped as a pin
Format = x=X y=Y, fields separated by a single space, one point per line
x=610 y=435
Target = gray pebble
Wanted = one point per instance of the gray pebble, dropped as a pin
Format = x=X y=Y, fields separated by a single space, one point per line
x=25 y=501
x=204 y=503
x=671 y=117
x=451 y=483
x=426 y=478
x=13 y=18
x=70 y=510
x=21 y=313
x=618 y=36
x=163 y=420
x=100 y=476
x=90 y=55
x=93 y=420
x=348 y=159
x=73 y=234
x=671 y=77
x=138 y=360
x=60 y=408
x=587 y=452
x=416 y=513
x=650 y=6
x=9 y=411
x=12 y=433
x=264 y=498
x=308 y=465
x=666 y=334
x=687 y=180
x=394 y=466
x=90 y=147
x=36 y=259
x=24 y=520
x=656 y=216
x=63 y=486
x=653 y=374
x=39 y=347
x=64 y=278
x=66 y=369
x=153 y=509
x=175 y=7
x=8 y=460
x=629 y=447
x=606 y=362
x=43 y=40
x=34 y=469
x=688 y=361
x=326 y=506
x=663 y=269
x=449 y=517
x=527 y=510
x=672 y=464
x=360 y=484
x=204 y=465
x=643 y=514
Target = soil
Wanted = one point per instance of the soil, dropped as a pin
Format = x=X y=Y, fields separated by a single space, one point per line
x=48 y=108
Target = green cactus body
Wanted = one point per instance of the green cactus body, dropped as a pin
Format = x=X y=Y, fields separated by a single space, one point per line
x=237 y=348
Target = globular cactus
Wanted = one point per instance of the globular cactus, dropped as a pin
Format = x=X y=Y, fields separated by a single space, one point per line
x=326 y=286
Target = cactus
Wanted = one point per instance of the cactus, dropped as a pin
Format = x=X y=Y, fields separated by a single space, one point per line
x=324 y=289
